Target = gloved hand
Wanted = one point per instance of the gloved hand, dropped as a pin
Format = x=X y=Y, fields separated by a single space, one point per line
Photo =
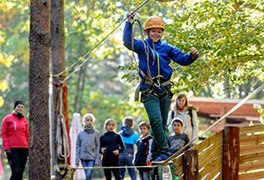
x=130 y=17
x=8 y=154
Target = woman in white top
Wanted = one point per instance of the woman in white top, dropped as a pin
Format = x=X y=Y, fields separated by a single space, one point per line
x=188 y=113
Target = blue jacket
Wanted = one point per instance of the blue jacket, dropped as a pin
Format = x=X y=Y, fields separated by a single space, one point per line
x=159 y=51
x=129 y=138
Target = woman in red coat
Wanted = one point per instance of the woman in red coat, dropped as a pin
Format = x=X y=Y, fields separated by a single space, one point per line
x=15 y=134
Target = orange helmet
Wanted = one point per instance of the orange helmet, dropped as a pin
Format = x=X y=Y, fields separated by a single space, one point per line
x=154 y=22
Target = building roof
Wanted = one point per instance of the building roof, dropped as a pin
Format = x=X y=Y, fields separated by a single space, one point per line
x=216 y=108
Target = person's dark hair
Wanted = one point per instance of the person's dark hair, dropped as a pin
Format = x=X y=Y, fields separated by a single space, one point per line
x=17 y=103
x=144 y=123
x=128 y=121
x=177 y=120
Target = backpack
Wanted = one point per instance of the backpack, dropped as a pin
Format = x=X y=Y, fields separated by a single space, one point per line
x=190 y=113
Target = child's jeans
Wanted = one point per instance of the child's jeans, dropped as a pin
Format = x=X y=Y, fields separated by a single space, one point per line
x=88 y=172
x=126 y=159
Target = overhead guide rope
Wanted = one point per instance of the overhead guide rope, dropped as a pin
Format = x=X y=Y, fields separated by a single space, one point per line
x=87 y=56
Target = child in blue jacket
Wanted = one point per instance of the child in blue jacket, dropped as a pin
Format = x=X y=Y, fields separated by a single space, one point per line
x=154 y=57
x=130 y=139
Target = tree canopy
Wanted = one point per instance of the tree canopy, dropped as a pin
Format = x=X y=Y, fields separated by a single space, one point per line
x=228 y=34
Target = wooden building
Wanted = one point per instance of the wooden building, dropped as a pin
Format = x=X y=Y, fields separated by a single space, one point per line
x=212 y=109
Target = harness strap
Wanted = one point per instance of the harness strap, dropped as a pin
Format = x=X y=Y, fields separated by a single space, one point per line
x=136 y=97
x=163 y=84
x=166 y=85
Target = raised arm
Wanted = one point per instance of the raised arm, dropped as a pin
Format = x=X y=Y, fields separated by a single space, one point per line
x=137 y=45
x=183 y=59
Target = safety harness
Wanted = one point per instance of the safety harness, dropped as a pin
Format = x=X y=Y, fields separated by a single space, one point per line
x=156 y=82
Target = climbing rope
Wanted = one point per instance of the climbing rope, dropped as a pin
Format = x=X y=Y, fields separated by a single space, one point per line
x=63 y=148
x=89 y=54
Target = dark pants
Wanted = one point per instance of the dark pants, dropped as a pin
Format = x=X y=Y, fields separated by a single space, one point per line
x=17 y=161
x=144 y=174
x=108 y=174
x=108 y=171
x=157 y=109
x=157 y=173
x=125 y=159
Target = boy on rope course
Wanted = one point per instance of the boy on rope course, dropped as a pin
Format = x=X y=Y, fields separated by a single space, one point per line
x=154 y=57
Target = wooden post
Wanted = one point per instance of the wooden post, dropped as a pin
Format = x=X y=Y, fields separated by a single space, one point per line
x=231 y=153
x=190 y=165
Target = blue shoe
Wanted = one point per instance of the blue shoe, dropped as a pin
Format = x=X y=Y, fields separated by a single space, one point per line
x=161 y=157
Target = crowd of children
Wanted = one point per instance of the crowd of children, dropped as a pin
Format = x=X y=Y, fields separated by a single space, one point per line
x=114 y=149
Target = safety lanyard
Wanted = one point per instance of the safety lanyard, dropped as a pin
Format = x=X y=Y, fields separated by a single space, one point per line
x=154 y=54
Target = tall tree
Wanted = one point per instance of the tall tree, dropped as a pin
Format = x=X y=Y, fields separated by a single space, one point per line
x=39 y=39
x=59 y=118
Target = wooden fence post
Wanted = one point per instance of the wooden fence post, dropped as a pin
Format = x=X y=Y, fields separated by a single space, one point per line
x=231 y=151
x=190 y=165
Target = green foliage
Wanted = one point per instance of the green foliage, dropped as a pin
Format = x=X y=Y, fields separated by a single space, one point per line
x=14 y=28
x=228 y=34
x=260 y=110
x=228 y=37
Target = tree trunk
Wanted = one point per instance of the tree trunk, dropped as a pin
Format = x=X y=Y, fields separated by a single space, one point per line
x=57 y=67
x=39 y=39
